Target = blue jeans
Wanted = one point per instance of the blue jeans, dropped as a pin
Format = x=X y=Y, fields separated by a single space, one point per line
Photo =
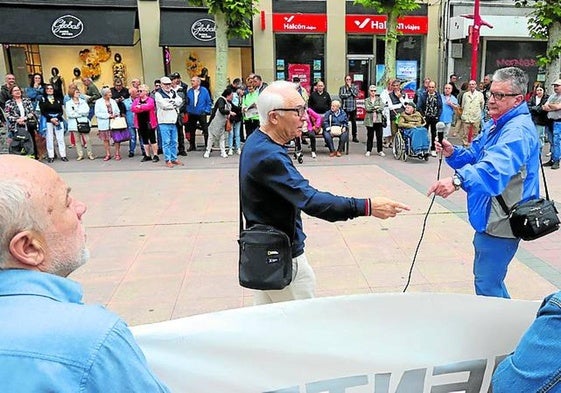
x=556 y=145
x=492 y=257
x=342 y=140
x=132 y=142
x=234 y=136
x=534 y=365
x=169 y=141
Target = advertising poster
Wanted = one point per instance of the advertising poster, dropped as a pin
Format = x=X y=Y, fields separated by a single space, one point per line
x=406 y=72
x=302 y=71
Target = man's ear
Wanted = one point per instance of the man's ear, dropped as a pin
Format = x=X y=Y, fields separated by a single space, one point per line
x=27 y=248
x=273 y=117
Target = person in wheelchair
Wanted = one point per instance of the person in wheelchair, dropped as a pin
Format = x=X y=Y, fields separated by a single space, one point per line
x=335 y=124
x=412 y=126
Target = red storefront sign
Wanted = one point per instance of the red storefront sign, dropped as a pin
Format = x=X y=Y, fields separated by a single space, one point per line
x=299 y=23
x=302 y=71
x=376 y=24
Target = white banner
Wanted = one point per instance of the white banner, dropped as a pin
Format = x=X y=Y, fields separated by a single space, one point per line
x=381 y=343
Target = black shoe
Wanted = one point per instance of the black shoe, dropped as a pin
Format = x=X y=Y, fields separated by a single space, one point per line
x=131 y=154
x=192 y=148
x=50 y=160
x=145 y=159
x=160 y=151
x=182 y=153
x=64 y=159
x=155 y=159
x=549 y=163
x=355 y=140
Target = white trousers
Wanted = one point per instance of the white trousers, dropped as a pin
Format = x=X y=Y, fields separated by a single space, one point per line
x=59 y=133
x=303 y=285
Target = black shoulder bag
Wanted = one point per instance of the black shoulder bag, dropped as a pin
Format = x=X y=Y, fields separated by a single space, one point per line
x=532 y=219
x=265 y=260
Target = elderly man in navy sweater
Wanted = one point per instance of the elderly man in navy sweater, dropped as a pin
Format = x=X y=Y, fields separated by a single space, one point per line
x=274 y=193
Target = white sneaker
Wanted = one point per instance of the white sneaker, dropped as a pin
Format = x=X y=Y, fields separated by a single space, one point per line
x=239 y=151
x=367 y=154
x=230 y=152
x=433 y=153
x=207 y=154
x=223 y=155
x=314 y=154
x=381 y=154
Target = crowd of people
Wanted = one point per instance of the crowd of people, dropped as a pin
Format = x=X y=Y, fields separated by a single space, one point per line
x=42 y=239
x=40 y=116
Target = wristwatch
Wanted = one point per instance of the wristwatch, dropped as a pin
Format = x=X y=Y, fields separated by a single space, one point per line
x=456 y=181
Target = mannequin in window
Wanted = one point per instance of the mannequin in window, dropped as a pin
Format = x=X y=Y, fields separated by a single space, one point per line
x=205 y=79
x=78 y=79
x=119 y=69
x=58 y=84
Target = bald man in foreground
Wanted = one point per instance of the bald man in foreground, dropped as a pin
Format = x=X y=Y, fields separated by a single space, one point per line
x=51 y=341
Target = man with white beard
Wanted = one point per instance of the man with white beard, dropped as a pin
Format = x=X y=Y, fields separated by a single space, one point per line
x=51 y=341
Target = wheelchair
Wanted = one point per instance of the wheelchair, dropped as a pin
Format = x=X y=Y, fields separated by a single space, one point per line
x=411 y=142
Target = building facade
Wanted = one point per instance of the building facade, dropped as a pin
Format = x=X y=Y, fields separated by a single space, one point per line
x=311 y=39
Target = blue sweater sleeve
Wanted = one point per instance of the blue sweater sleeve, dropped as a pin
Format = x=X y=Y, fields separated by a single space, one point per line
x=287 y=182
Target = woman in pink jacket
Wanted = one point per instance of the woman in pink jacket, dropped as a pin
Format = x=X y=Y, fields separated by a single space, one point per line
x=144 y=109
x=311 y=127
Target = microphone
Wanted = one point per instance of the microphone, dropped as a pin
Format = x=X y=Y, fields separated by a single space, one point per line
x=440 y=126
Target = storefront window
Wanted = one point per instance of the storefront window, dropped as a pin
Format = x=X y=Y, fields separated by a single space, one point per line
x=300 y=55
x=360 y=45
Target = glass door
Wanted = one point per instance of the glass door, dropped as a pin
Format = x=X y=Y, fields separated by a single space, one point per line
x=360 y=68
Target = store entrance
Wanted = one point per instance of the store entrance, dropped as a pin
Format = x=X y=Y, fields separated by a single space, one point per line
x=361 y=69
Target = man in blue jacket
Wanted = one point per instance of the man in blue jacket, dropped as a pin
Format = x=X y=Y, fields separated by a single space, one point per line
x=51 y=341
x=199 y=105
x=502 y=160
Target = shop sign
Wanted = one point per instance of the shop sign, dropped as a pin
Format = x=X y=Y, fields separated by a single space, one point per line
x=67 y=27
x=300 y=23
x=204 y=29
x=376 y=24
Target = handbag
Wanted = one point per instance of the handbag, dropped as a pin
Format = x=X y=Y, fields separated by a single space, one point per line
x=384 y=121
x=119 y=136
x=83 y=127
x=335 y=130
x=118 y=123
x=534 y=218
x=265 y=257
x=228 y=126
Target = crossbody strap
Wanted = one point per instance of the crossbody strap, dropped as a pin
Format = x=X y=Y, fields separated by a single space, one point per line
x=502 y=202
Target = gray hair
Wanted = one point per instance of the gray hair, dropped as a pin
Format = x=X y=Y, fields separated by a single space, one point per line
x=104 y=91
x=517 y=77
x=17 y=214
x=272 y=98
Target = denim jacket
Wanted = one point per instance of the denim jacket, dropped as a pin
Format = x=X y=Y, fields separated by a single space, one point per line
x=534 y=366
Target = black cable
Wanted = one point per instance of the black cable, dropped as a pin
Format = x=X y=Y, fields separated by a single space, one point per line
x=424 y=227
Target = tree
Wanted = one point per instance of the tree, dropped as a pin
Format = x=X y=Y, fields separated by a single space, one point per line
x=393 y=9
x=544 y=22
x=232 y=19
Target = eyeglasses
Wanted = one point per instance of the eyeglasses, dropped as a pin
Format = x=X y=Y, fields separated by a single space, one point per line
x=300 y=110
x=500 y=96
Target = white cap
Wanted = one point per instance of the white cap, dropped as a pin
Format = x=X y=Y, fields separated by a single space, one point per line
x=165 y=80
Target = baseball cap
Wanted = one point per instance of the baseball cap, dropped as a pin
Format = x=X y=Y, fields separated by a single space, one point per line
x=174 y=75
x=410 y=103
x=165 y=80
x=557 y=82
